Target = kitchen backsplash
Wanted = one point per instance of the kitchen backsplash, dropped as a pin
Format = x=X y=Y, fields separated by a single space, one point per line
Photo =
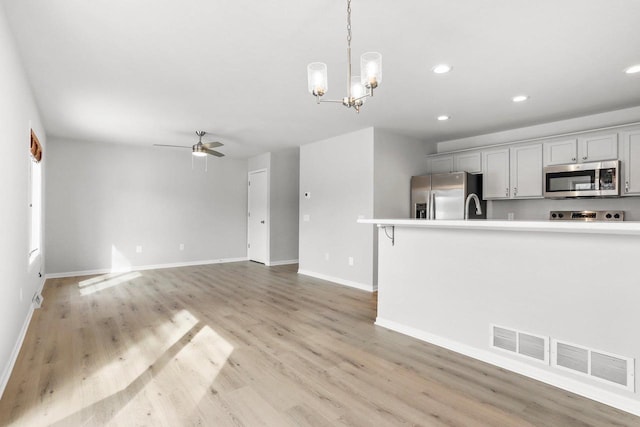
x=538 y=209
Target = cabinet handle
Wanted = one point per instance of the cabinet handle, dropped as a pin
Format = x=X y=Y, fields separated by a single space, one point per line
x=584 y=158
x=626 y=187
x=573 y=159
x=515 y=191
x=506 y=192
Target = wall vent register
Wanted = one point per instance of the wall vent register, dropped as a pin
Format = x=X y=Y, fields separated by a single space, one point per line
x=602 y=366
x=521 y=343
x=586 y=215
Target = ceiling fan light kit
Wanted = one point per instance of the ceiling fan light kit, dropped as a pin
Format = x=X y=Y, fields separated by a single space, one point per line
x=358 y=87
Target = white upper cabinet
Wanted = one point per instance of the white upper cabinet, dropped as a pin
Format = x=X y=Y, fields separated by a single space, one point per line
x=631 y=162
x=593 y=148
x=470 y=161
x=440 y=164
x=526 y=171
x=560 y=152
x=512 y=173
x=495 y=174
x=596 y=148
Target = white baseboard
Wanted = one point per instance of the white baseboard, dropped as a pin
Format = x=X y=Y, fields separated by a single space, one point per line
x=18 y=345
x=603 y=396
x=143 y=267
x=285 y=262
x=338 y=280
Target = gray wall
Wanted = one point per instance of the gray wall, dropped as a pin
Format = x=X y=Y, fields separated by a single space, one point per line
x=396 y=160
x=19 y=280
x=338 y=173
x=284 y=205
x=538 y=209
x=104 y=199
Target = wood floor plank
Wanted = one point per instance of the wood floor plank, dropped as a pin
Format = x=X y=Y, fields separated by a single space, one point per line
x=242 y=344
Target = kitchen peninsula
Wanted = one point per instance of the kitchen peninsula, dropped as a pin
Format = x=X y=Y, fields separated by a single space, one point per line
x=473 y=286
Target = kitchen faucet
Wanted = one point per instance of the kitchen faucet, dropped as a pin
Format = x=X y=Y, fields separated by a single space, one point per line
x=468 y=202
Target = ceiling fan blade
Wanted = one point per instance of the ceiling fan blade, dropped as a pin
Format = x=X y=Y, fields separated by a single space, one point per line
x=212 y=144
x=177 y=146
x=213 y=152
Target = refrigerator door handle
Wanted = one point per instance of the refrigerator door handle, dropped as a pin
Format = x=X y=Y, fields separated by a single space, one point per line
x=432 y=206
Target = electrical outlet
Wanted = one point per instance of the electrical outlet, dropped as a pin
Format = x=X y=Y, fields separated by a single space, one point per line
x=139 y=249
x=181 y=247
x=351 y=261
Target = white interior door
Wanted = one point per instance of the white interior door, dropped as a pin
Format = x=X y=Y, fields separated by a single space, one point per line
x=257 y=215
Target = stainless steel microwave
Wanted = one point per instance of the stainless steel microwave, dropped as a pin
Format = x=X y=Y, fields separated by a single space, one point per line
x=597 y=179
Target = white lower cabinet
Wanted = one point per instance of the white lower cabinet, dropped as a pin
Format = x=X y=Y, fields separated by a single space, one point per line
x=630 y=162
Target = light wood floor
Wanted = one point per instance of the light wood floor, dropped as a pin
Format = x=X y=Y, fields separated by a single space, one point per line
x=245 y=345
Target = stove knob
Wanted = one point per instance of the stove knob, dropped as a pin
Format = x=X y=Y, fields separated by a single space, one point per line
x=553 y=215
x=560 y=215
x=608 y=216
x=617 y=216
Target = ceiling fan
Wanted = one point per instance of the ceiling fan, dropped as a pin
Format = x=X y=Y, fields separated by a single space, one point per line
x=200 y=149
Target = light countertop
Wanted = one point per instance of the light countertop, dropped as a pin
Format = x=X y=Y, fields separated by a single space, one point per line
x=622 y=227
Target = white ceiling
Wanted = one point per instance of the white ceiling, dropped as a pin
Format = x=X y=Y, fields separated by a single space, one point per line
x=150 y=71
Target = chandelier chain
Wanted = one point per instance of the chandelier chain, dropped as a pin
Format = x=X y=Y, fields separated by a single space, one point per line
x=348 y=53
x=349 y=22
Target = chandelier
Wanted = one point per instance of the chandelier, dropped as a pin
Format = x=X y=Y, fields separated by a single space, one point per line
x=358 y=87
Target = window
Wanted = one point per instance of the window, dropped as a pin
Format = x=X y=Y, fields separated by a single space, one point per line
x=35 y=197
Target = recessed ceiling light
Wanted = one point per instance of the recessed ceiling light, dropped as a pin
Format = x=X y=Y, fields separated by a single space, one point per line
x=443 y=117
x=442 y=68
x=633 y=69
x=520 y=98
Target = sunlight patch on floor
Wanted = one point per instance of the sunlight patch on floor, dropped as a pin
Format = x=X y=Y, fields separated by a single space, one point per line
x=167 y=369
x=176 y=389
x=96 y=284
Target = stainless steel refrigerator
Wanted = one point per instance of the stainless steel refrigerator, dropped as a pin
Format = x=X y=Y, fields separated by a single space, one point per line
x=443 y=196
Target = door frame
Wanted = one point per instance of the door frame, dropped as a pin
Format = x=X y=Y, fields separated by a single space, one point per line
x=267 y=261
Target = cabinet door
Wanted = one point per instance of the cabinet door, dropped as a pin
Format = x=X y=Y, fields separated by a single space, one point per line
x=560 y=152
x=526 y=171
x=495 y=175
x=631 y=162
x=440 y=164
x=468 y=162
x=596 y=148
